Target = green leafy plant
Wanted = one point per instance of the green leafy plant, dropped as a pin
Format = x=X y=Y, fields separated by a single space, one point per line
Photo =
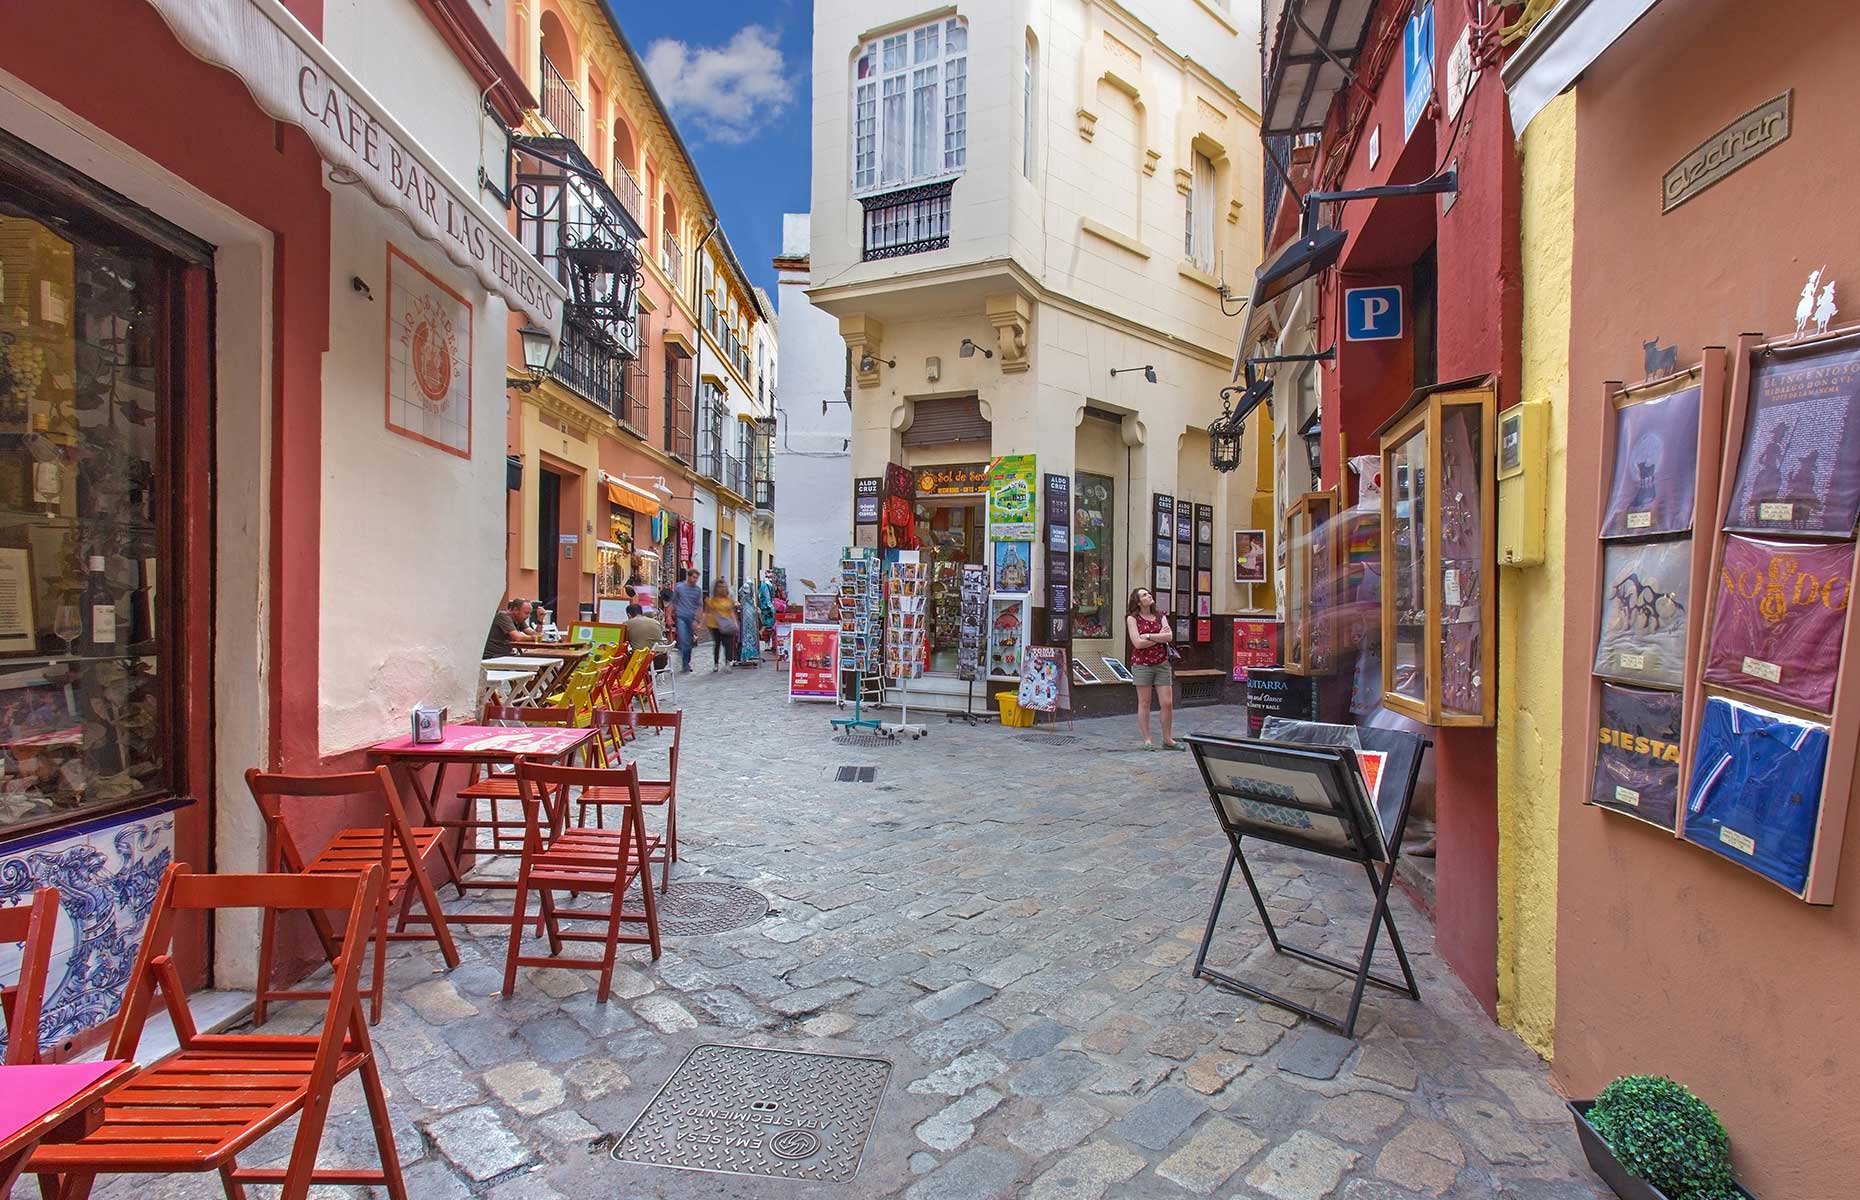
x=1664 y=1134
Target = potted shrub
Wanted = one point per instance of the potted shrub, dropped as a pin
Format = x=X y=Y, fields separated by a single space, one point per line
x=1650 y=1138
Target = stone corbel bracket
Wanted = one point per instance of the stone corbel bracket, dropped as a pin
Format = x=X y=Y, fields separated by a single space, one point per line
x=1011 y=313
x=864 y=335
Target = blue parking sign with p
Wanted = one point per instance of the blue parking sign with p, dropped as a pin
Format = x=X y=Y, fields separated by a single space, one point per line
x=1372 y=314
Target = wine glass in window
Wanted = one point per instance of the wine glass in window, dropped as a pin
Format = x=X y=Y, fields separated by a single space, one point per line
x=67 y=626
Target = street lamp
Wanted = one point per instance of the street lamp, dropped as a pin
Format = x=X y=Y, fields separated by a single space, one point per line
x=1224 y=437
x=538 y=354
x=1149 y=373
x=868 y=364
x=968 y=349
x=603 y=278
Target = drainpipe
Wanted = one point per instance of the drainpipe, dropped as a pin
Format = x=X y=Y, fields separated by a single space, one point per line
x=697 y=362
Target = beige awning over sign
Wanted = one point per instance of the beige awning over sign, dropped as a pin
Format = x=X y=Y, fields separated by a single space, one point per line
x=294 y=78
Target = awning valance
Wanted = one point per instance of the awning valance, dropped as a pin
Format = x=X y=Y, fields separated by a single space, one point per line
x=294 y=78
x=1562 y=46
x=638 y=500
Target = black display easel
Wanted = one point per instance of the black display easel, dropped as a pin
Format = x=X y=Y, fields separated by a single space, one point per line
x=1377 y=856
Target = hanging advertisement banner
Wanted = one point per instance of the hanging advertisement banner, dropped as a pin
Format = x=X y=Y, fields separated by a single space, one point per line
x=814 y=663
x=1011 y=485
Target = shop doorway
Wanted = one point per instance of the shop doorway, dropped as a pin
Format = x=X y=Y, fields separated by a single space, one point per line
x=548 y=539
x=952 y=530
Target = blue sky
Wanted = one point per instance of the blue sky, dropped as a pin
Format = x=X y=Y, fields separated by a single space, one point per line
x=735 y=75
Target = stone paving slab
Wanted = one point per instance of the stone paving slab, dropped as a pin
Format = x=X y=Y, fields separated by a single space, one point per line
x=1011 y=925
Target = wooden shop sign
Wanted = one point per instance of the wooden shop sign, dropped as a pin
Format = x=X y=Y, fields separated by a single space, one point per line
x=1735 y=146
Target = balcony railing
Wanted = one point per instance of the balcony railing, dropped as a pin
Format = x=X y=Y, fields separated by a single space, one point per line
x=627 y=189
x=678 y=418
x=710 y=462
x=591 y=365
x=671 y=257
x=765 y=495
x=908 y=222
x=735 y=475
x=560 y=106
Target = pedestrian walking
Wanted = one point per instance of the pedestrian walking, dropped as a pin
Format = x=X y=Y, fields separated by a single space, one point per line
x=1149 y=664
x=687 y=604
x=720 y=618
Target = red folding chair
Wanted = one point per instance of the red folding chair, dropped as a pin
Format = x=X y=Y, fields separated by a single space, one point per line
x=653 y=792
x=399 y=851
x=33 y=926
x=202 y=1106
x=560 y=858
x=499 y=787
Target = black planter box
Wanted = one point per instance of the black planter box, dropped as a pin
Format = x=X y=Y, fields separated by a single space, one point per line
x=1602 y=1161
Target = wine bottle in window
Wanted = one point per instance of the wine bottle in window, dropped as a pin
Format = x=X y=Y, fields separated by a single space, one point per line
x=141 y=608
x=98 y=606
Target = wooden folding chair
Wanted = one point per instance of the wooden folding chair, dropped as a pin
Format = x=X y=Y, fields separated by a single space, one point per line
x=33 y=926
x=559 y=858
x=199 y=1108
x=399 y=851
x=497 y=787
x=653 y=792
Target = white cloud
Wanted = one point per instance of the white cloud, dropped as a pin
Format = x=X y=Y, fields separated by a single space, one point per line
x=730 y=92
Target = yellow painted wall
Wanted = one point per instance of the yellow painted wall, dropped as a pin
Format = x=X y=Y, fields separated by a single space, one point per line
x=1531 y=600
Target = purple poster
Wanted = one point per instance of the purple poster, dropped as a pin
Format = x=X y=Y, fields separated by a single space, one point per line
x=1656 y=460
x=1800 y=467
x=1637 y=759
x=1781 y=612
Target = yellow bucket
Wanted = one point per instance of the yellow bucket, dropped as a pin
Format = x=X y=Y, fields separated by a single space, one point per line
x=1012 y=714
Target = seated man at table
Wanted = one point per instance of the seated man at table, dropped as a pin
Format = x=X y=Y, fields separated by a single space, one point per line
x=642 y=632
x=507 y=628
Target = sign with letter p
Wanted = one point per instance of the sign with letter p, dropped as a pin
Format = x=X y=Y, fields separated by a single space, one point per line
x=1372 y=314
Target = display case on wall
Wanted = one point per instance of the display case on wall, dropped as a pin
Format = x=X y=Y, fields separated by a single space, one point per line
x=1438 y=521
x=1313 y=542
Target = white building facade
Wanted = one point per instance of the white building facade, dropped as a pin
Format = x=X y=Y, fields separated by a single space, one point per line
x=813 y=435
x=1024 y=213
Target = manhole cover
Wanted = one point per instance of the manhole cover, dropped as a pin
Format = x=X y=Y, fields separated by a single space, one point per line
x=855 y=775
x=741 y=1110
x=1050 y=739
x=698 y=907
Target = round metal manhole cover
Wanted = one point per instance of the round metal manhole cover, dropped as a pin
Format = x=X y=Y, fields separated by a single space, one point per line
x=794 y=1144
x=869 y=741
x=698 y=907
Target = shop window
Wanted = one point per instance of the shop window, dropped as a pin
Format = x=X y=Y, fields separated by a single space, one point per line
x=1094 y=508
x=91 y=499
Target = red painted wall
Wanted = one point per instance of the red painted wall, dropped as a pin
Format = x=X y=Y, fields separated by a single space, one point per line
x=1478 y=319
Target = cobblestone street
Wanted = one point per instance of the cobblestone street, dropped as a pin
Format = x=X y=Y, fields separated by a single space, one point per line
x=1008 y=918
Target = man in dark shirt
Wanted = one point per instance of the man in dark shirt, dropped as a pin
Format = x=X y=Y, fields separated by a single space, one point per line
x=686 y=602
x=507 y=628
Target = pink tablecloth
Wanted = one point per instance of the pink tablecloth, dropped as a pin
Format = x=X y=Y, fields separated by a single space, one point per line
x=490 y=739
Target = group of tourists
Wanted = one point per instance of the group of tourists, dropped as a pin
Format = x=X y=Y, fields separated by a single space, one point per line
x=692 y=610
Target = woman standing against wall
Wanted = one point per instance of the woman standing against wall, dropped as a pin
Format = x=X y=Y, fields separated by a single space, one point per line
x=1150 y=636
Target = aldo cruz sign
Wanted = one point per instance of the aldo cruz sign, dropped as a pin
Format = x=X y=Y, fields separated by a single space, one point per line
x=1761 y=129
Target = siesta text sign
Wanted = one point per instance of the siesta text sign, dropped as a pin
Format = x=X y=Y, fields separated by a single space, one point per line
x=293 y=78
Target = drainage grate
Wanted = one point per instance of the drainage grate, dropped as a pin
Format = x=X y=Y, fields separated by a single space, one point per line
x=1200 y=690
x=1050 y=739
x=855 y=774
x=868 y=741
x=740 y=1110
x=699 y=907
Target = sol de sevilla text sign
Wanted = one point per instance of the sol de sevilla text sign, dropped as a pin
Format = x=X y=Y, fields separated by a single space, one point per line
x=294 y=78
x=814 y=663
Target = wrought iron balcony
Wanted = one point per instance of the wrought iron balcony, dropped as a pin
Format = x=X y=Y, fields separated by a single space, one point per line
x=735 y=475
x=560 y=106
x=710 y=463
x=908 y=222
x=631 y=195
x=765 y=495
x=593 y=366
x=571 y=221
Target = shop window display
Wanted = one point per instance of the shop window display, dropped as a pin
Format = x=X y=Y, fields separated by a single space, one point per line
x=1646 y=599
x=1094 y=612
x=87 y=397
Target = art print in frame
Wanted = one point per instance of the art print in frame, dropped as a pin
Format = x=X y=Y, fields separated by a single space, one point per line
x=1250 y=557
x=1013 y=567
x=1118 y=670
x=1646 y=596
x=429 y=358
x=1656 y=466
x=1311 y=797
x=1799 y=471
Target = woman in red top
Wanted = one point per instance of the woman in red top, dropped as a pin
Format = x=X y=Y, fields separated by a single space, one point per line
x=1149 y=635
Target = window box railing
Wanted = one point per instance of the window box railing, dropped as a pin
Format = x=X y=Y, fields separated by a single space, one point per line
x=710 y=463
x=911 y=221
x=735 y=475
x=627 y=189
x=765 y=495
x=592 y=365
x=560 y=106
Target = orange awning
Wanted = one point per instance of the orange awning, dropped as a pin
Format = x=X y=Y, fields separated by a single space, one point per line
x=627 y=496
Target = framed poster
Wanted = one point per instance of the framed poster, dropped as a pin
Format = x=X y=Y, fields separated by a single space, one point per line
x=814 y=663
x=820 y=608
x=1646 y=594
x=1250 y=556
x=1656 y=463
x=1013 y=567
x=1118 y=670
x=1082 y=673
x=1800 y=467
x=1165 y=552
x=429 y=357
x=1007 y=636
x=1181 y=629
x=1161 y=588
x=1204 y=607
x=1045 y=685
x=17 y=628
x=1204 y=629
x=1011 y=486
x=1256 y=644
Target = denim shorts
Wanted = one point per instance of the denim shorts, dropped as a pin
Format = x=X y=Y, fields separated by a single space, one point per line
x=1152 y=674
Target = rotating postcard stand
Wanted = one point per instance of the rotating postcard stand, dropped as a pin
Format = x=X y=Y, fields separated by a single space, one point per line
x=1314 y=798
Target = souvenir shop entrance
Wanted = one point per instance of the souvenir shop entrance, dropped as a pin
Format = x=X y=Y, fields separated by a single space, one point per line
x=953 y=531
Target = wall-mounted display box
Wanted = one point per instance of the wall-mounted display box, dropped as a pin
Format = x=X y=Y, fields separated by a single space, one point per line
x=1313 y=542
x=1438 y=570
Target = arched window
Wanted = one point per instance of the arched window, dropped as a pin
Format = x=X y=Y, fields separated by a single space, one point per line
x=910 y=108
x=624 y=153
x=560 y=106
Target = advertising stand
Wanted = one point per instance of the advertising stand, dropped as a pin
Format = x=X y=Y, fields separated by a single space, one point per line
x=905 y=592
x=859 y=633
x=1314 y=797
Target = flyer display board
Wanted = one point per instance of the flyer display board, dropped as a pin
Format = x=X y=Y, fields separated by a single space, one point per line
x=859 y=610
x=974 y=619
x=1045 y=685
x=906 y=590
x=1011 y=484
x=1204 y=572
x=1256 y=644
x=1056 y=497
x=1007 y=636
x=814 y=662
x=1184 y=604
x=1162 y=543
